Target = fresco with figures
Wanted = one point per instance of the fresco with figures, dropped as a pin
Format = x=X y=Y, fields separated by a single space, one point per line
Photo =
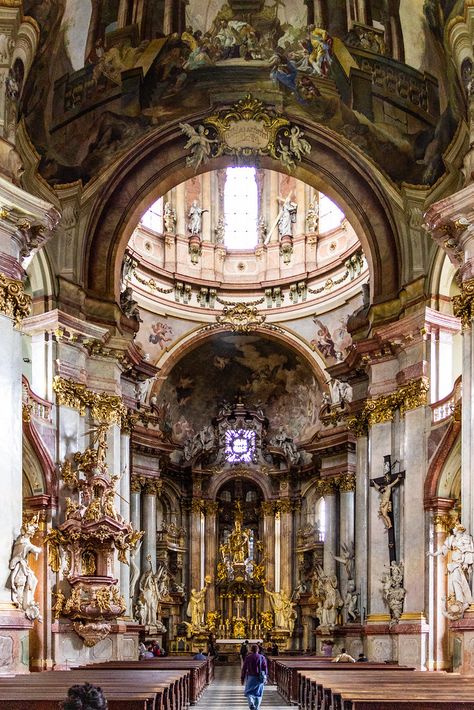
x=125 y=70
x=262 y=372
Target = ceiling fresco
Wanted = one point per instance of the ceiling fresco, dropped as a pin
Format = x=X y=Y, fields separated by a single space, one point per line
x=263 y=372
x=120 y=75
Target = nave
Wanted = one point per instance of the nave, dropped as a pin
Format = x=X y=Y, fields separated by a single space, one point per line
x=227 y=692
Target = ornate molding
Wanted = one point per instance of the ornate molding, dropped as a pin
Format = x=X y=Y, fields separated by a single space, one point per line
x=463 y=305
x=326 y=486
x=382 y=409
x=284 y=505
x=107 y=408
x=240 y=318
x=247 y=128
x=14 y=302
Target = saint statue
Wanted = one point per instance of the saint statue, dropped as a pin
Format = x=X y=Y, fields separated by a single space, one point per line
x=283 y=608
x=287 y=216
x=195 y=218
x=23 y=580
x=238 y=543
x=148 y=598
x=196 y=606
x=460 y=548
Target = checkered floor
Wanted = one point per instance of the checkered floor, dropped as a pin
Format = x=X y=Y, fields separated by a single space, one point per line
x=226 y=693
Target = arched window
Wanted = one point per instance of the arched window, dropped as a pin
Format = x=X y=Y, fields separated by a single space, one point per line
x=240 y=208
x=153 y=217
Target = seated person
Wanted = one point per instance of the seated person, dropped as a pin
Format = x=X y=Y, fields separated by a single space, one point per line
x=343 y=657
x=199 y=656
x=85 y=697
x=362 y=658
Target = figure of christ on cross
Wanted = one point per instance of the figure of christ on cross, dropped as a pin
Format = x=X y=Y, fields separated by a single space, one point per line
x=239 y=604
x=384 y=485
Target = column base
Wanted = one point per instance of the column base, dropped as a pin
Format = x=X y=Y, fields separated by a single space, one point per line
x=121 y=644
x=14 y=640
x=461 y=644
x=405 y=643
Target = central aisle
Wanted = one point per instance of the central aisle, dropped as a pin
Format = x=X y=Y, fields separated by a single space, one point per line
x=226 y=693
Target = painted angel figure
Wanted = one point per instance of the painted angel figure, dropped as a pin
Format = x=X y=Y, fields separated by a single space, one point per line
x=198 y=144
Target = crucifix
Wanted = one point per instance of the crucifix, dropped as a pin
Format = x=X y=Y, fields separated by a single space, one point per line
x=384 y=485
x=239 y=604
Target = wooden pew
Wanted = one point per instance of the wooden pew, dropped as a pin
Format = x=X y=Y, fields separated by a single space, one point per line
x=155 y=690
x=362 y=690
x=201 y=672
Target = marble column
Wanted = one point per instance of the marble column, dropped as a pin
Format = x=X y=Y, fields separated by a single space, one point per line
x=211 y=551
x=268 y=546
x=149 y=524
x=135 y=519
x=467 y=429
x=361 y=517
x=15 y=244
x=346 y=524
x=380 y=445
x=329 y=563
x=125 y=510
x=195 y=544
x=438 y=651
x=286 y=545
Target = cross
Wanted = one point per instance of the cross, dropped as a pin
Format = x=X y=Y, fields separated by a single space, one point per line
x=239 y=604
x=384 y=485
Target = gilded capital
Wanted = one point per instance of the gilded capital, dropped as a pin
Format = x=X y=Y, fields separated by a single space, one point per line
x=346 y=482
x=136 y=483
x=284 y=505
x=14 y=302
x=463 y=305
x=267 y=507
x=326 y=486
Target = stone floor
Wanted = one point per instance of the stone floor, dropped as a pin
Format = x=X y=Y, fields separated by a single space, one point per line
x=226 y=693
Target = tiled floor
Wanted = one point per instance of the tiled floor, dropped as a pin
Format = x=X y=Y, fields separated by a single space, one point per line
x=226 y=693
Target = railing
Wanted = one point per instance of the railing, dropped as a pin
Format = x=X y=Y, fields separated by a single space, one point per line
x=445 y=407
x=37 y=406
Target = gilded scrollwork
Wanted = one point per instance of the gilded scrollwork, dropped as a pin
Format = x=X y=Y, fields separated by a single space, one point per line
x=463 y=305
x=14 y=302
x=107 y=408
x=382 y=409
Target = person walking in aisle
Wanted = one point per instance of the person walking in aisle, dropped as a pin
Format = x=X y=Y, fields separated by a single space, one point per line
x=254 y=676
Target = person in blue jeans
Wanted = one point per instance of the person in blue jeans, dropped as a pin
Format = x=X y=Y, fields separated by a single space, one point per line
x=254 y=676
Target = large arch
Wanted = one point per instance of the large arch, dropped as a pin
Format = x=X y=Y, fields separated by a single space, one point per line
x=158 y=163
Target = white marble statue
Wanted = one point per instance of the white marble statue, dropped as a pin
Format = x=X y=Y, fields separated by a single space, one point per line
x=347 y=558
x=312 y=216
x=459 y=548
x=195 y=218
x=393 y=591
x=287 y=216
x=23 y=580
x=148 y=596
x=198 y=144
x=351 y=602
x=285 y=442
x=134 y=569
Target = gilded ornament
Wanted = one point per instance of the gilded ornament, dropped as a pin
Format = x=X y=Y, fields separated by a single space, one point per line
x=14 y=302
x=106 y=408
x=346 y=482
x=54 y=540
x=267 y=507
x=58 y=606
x=463 y=305
x=240 y=318
x=326 y=486
x=248 y=128
x=136 y=483
x=26 y=412
x=284 y=505
x=382 y=409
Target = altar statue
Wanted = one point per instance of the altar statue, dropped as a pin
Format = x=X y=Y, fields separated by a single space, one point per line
x=238 y=543
x=283 y=608
x=460 y=546
x=196 y=605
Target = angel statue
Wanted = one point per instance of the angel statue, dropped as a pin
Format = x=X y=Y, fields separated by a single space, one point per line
x=198 y=144
x=298 y=145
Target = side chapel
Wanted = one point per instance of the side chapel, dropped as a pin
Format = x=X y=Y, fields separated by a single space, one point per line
x=236 y=310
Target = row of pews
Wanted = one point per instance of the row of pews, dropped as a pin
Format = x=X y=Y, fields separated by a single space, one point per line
x=318 y=684
x=170 y=683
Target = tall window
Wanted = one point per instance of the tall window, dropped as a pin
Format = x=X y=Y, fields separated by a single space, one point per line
x=330 y=216
x=240 y=208
x=153 y=217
